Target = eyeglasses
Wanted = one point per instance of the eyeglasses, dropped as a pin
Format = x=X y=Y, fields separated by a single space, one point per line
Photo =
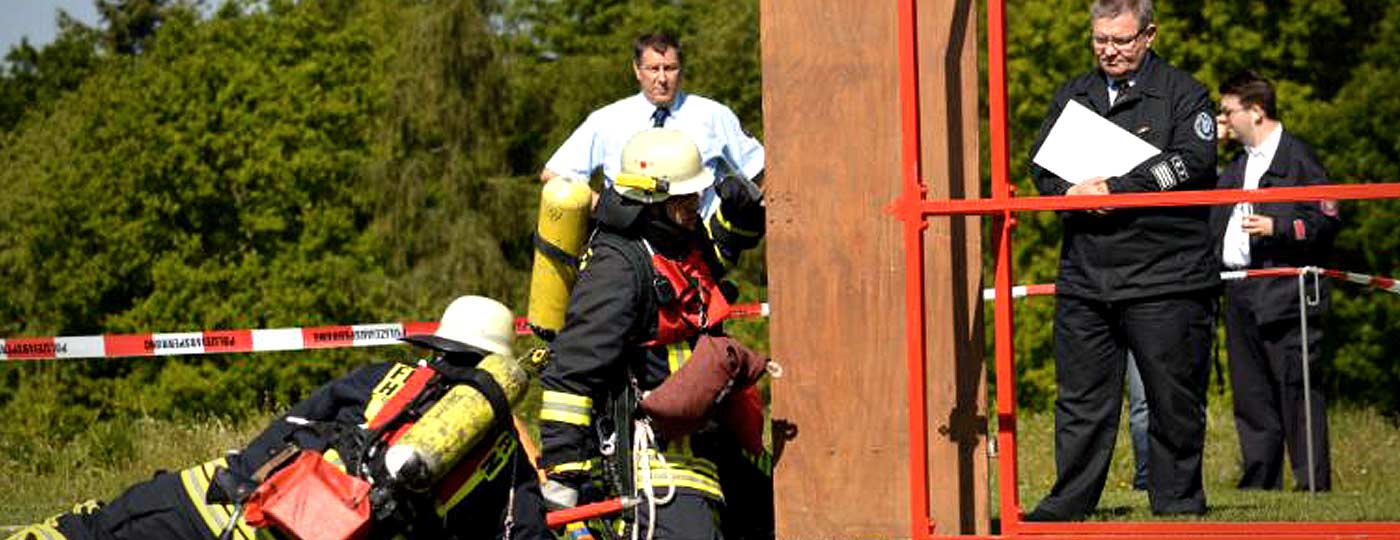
x=1228 y=112
x=1120 y=42
x=660 y=68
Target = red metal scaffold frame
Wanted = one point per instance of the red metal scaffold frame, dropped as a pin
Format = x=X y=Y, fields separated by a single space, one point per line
x=914 y=210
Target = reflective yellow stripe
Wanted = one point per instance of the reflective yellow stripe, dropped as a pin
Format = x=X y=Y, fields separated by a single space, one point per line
x=566 y=417
x=571 y=466
x=489 y=468
x=719 y=254
x=567 y=408
x=684 y=471
x=38 y=532
x=386 y=388
x=719 y=215
x=565 y=398
x=677 y=354
x=216 y=516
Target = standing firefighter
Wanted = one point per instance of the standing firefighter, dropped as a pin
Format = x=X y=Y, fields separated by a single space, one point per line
x=645 y=293
x=388 y=451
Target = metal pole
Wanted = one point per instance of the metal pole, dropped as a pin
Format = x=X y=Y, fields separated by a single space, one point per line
x=1307 y=378
x=920 y=521
x=1002 y=194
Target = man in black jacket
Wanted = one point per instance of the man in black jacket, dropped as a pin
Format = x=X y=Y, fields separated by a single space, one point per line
x=1262 y=323
x=1140 y=280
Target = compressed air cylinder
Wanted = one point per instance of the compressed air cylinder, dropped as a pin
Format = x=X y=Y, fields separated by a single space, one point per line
x=452 y=427
x=562 y=229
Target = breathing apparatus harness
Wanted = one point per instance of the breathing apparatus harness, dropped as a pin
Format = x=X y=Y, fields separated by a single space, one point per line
x=360 y=451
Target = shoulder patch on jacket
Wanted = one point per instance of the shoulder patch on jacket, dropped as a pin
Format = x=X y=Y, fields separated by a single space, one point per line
x=1205 y=127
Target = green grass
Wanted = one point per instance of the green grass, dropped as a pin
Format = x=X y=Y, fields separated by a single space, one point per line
x=1365 y=455
x=1365 y=483
x=48 y=478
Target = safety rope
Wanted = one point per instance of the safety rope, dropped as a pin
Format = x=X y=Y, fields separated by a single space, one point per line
x=644 y=441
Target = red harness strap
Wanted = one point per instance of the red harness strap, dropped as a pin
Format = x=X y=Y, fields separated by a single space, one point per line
x=698 y=302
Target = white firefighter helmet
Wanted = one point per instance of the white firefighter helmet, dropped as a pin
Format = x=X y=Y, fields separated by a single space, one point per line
x=658 y=163
x=471 y=323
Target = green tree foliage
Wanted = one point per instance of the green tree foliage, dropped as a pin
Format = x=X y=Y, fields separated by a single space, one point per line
x=35 y=78
x=1355 y=133
x=1332 y=61
x=279 y=164
x=129 y=23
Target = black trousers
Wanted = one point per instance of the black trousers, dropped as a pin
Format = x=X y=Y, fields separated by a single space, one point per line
x=1266 y=374
x=157 y=509
x=687 y=516
x=1170 y=338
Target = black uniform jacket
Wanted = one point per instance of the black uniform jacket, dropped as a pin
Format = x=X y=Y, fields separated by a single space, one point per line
x=1135 y=253
x=1303 y=231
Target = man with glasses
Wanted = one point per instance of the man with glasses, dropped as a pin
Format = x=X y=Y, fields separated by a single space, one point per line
x=1263 y=333
x=1139 y=280
x=657 y=63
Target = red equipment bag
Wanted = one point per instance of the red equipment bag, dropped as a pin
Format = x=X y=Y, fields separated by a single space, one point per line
x=683 y=402
x=311 y=499
x=742 y=413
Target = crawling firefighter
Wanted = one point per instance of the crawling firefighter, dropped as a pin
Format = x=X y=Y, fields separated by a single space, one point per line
x=388 y=451
x=646 y=291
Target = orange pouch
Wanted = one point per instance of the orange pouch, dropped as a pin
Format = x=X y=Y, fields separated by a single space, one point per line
x=311 y=499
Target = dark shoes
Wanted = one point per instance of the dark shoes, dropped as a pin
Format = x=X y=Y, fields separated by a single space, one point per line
x=1042 y=514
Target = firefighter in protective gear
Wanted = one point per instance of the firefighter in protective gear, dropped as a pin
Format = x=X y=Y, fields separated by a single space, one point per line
x=645 y=292
x=492 y=491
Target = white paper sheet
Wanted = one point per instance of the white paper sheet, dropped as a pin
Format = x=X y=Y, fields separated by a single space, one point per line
x=1083 y=145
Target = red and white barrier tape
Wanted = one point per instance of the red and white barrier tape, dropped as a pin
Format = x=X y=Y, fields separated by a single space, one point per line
x=238 y=341
x=374 y=335
x=1382 y=283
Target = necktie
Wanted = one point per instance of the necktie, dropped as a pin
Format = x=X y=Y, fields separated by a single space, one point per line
x=658 y=118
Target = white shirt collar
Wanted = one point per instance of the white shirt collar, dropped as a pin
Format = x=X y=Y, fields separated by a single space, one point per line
x=1268 y=147
x=673 y=107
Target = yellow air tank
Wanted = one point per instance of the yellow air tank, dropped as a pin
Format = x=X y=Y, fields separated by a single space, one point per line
x=559 y=237
x=453 y=426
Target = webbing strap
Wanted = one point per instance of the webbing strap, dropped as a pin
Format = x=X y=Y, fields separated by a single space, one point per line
x=554 y=252
x=500 y=406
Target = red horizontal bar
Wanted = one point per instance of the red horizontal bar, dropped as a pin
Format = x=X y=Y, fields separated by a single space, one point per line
x=559 y=518
x=1166 y=198
x=1179 y=536
x=1196 y=530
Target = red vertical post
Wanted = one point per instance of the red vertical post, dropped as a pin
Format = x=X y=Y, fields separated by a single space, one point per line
x=1004 y=323
x=913 y=194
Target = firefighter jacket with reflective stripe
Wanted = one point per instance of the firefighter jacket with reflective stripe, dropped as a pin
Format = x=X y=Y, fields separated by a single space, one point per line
x=625 y=300
x=472 y=501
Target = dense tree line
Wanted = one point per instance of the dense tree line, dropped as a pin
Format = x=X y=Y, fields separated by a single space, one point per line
x=279 y=163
